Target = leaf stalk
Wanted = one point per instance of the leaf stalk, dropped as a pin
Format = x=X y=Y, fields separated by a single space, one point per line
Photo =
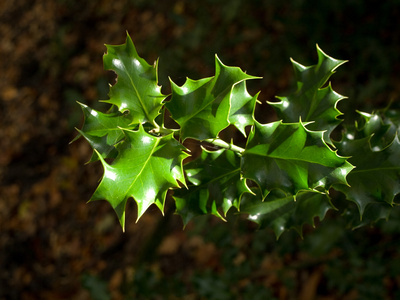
x=225 y=145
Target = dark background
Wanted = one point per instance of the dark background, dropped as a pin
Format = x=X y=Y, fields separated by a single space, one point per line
x=55 y=246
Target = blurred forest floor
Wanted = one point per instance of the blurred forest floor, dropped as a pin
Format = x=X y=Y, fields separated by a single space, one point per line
x=53 y=245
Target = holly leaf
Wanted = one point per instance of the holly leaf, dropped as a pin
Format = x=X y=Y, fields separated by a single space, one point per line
x=373 y=212
x=311 y=101
x=282 y=212
x=145 y=169
x=201 y=107
x=242 y=107
x=137 y=89
x=376 y=126
x=291 y=158
x=103 y=131
x=392 y=118
x=376 y=178
x=217 y=185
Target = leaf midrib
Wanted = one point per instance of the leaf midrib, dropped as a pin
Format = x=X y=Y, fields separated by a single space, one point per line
x=144 y=165
x=137 y=92
x=213 y=98
x=291 y=159
x=373 y=169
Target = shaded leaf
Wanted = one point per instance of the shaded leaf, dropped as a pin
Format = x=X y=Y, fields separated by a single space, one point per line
x=217 y=185
x=100 y=146
x=103 y=131
x=376 y=126
x=373 y=212
x=282 y=212
x=376 y=177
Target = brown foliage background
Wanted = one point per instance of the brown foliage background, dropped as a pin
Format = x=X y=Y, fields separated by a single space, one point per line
x=51 y=56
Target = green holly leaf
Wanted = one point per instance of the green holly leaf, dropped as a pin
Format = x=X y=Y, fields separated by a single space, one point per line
x=282 y=212
x=217 y=185
x=242 y=107
x=145 y=169
x=201 y=107
x=373 y=212
x=392 y=118
x=103 y=131
x=137 y=89
x=291 y=158
x=100 y=147
x=376 y=178
x=376 y=126
x=313 y=102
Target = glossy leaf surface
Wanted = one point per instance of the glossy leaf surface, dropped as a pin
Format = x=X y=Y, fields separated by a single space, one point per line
x=378 y=126
x=281 y=212
x=103 y=131
x=201 y=107
x=242 y=107
x=376 y=177
x=217 y=185
x=290 y=164
x=136 y=89
x=146 y=167
x=291 y=158
x=312 y=102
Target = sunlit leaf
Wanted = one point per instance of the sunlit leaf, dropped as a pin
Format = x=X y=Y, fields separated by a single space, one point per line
x=242 y=107
x=291 y=165
x=201 y=107
x=146 y=167
x=312 y=101
x=291 y=158
x=136 y=90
